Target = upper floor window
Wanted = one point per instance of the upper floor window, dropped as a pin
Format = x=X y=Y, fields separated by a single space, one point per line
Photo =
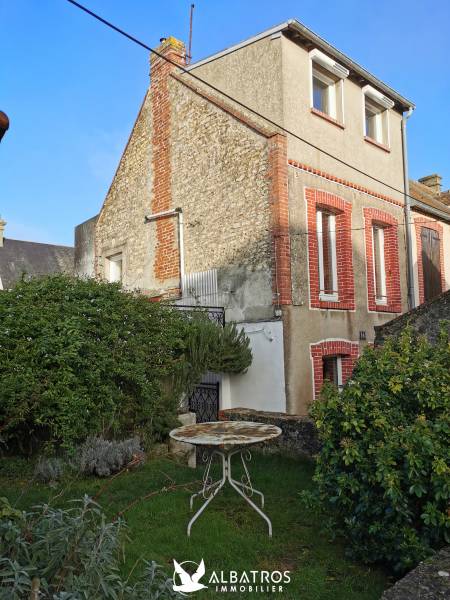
x=115 y=267
x=376 y=115
x=379 y=265
x=326 y=240
x=330 y=252
x=382 y=256
x=327 y=93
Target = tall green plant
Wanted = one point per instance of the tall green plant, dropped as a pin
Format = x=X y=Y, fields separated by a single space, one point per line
x=384 y=471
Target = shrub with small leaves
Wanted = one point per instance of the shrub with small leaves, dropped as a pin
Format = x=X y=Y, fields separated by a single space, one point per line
x=71 y=554
x=101 y=457
x=383 y=472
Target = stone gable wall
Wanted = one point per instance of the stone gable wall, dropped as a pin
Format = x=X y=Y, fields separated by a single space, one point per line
x=120 y=226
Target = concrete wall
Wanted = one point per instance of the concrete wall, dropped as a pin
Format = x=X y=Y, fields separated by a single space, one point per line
x=346 y=143
x=273 y=77
x=85 y=248
x=303 y=326
x=263 y=386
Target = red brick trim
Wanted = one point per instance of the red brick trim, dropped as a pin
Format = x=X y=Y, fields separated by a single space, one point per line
x=167 y=254
x=348 y=351
x=391 y=259
x=350 y=184
x=420 y=222
x=281 y=273
x=326 y=117
x=343 y=210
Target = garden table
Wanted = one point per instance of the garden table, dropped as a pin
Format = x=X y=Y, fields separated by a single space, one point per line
x=225 y=439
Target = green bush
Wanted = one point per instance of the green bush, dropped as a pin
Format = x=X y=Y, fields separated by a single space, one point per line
x=71 y=553
x=383 y=471
x=81 y=357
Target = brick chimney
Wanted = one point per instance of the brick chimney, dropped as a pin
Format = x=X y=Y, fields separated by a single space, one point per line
x=167 y=262
x=433 y=182
x=2 y=229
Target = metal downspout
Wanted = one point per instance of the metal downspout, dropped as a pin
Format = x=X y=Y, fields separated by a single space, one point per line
x=407 y=210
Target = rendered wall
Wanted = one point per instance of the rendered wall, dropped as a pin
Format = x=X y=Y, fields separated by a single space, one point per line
x=262 y=387
x=304 y=326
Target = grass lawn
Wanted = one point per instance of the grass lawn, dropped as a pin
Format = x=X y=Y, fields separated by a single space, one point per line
x=229 y=535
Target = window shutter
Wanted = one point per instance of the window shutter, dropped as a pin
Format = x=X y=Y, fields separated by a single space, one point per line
x=431 y=263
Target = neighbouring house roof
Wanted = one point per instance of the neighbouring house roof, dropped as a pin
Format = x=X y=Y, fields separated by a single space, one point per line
x=29 y=259
x=428 y=201
x=300 y=33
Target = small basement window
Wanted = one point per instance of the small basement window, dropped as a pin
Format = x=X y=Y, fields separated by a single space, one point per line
x=115 y=267
x=332 y=370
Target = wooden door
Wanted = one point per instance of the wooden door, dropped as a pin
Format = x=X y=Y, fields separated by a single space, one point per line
x=431 y=263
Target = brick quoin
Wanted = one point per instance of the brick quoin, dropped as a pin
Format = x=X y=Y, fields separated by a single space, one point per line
x=278 y=174
x=420 y=222
x=167 y=255
x=373 y=216
x=317 y=199
x=348 y=351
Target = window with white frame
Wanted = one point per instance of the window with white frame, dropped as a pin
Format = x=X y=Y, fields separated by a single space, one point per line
x=327 y=85
x=115 y=267
x=376 y=115
x=379 y=264
x=326 y=242
x=332 y=370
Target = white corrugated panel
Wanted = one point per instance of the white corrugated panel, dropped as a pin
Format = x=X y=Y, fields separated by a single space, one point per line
x=200 y=288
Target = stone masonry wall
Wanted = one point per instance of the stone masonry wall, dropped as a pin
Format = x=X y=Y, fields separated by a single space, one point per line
x=120 y=226
x=299 y=435
x=220 y=179
x=425 y=319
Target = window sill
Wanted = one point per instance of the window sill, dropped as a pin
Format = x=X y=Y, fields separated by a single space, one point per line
x=328 y=298
x=377 y=144
x=326 y=117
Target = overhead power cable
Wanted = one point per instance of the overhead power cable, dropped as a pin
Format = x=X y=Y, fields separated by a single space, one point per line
x=234 y=100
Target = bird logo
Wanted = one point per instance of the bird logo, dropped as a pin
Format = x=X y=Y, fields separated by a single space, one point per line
x=189 y=583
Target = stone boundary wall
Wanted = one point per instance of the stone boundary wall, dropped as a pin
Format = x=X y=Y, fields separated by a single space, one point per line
x=299 y=435
x=425 y=319
x=429 y=581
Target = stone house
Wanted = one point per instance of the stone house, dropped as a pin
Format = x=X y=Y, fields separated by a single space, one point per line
x=294 y=222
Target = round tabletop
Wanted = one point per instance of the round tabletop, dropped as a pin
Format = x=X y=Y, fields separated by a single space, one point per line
x=225 y=434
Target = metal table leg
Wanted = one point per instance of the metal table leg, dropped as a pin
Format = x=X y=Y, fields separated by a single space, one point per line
x=237 y=486
x=244 y=487
x=210 y=490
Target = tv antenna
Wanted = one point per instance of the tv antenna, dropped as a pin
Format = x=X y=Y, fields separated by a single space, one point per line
x=191 y=18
